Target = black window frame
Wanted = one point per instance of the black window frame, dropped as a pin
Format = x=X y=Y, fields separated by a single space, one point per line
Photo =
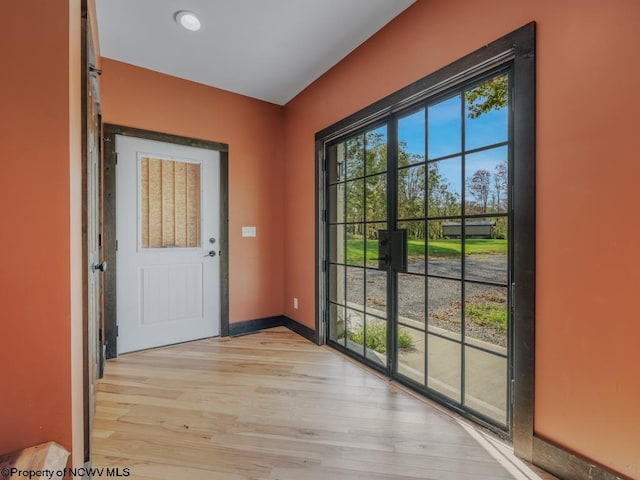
x=516 y=51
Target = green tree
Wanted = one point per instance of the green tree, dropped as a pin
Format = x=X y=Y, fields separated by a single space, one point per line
x=479 y=185
x=489 y=95
x=376 y=152
x=500 y=186
x=376 y=185
x=441 y=200
x=411 y=188
x=366 y=198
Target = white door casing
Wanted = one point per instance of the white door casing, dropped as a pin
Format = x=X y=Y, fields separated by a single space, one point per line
x=172 y=294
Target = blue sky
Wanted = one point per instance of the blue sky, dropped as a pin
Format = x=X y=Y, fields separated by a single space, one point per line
x=444 y=133
x=445 y=128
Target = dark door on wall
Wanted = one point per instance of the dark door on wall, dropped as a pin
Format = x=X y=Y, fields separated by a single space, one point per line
x=418 y=246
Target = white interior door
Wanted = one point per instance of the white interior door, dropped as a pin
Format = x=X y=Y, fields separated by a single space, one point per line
x=167 y=255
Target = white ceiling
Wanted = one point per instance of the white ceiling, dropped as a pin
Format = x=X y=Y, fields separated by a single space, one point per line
x=266 y=49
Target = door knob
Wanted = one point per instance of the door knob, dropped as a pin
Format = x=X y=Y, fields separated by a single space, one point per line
x=100 y=266
x=212 y=253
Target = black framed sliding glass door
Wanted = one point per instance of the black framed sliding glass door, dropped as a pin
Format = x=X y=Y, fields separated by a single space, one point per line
x=453 y=200
x=357 y=212
x=418 y=230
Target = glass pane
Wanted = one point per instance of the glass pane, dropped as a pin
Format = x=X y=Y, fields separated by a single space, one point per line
x=415 y=245
x=444 y=300
x=355 y=288
x=354 y=155
x=445 y=127
x=336 y=323
x=376 y=343
x=411 y=132
x=487 y=113
x=444 y=252
x=444 y=362
x=376 y=292
x=411 y=304
x=444 y=189
x=411 y=192
x=486 y=255
x=376 y=198
x=355 y=200
x=486 y=316
x=373 y=243
x=336 y=243
x=487 y=181
x=355 y=244
x=411 y=353
x=169 y=203
x=355 y=331
x=486 y=384
x=337 y=284
x=335 y=203
x=376 y=150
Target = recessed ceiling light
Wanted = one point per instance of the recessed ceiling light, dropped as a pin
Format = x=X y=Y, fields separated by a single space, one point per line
x=188 y=20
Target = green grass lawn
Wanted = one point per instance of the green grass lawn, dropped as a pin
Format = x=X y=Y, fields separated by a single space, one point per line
x=377 y=338
x=488 y=309
x=447 y=247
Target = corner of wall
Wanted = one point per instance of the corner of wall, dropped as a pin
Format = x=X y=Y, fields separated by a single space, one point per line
x=75 y=234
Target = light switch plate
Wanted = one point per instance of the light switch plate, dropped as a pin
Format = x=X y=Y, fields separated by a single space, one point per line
x=248 y=231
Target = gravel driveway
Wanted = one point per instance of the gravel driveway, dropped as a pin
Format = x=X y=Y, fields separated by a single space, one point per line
x=443 y=295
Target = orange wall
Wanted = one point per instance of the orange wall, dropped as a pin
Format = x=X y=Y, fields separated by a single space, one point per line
x=36 y=296
x=75 y=232
x=587 y=357
x=140 y=98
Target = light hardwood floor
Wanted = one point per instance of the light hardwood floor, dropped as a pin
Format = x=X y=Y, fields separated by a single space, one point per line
x=272 y=406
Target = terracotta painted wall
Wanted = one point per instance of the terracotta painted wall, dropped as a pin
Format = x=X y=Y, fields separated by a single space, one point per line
x=38 y=303
x=75 y=231
x=587 y=358
x=140 y=98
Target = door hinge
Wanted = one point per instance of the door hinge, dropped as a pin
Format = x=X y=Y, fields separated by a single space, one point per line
x=325 y=266
x=116 y=245
x=117 y=331
x=513 y=390
x=324 y=215
x=100 y=335
x=99 y=239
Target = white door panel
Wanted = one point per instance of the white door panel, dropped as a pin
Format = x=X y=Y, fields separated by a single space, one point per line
x=183 y=285
x=168 y=291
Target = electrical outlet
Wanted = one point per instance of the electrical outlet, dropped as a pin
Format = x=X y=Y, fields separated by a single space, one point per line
x=295 y=303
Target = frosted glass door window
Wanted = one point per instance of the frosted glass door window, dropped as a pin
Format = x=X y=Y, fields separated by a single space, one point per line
x=170 y=203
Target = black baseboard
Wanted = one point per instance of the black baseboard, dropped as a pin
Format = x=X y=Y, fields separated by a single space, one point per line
x=252 y=326
x=301 y=329
x=568 y=466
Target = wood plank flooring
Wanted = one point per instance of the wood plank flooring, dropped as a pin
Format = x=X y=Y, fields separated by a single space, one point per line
x=272 y=406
